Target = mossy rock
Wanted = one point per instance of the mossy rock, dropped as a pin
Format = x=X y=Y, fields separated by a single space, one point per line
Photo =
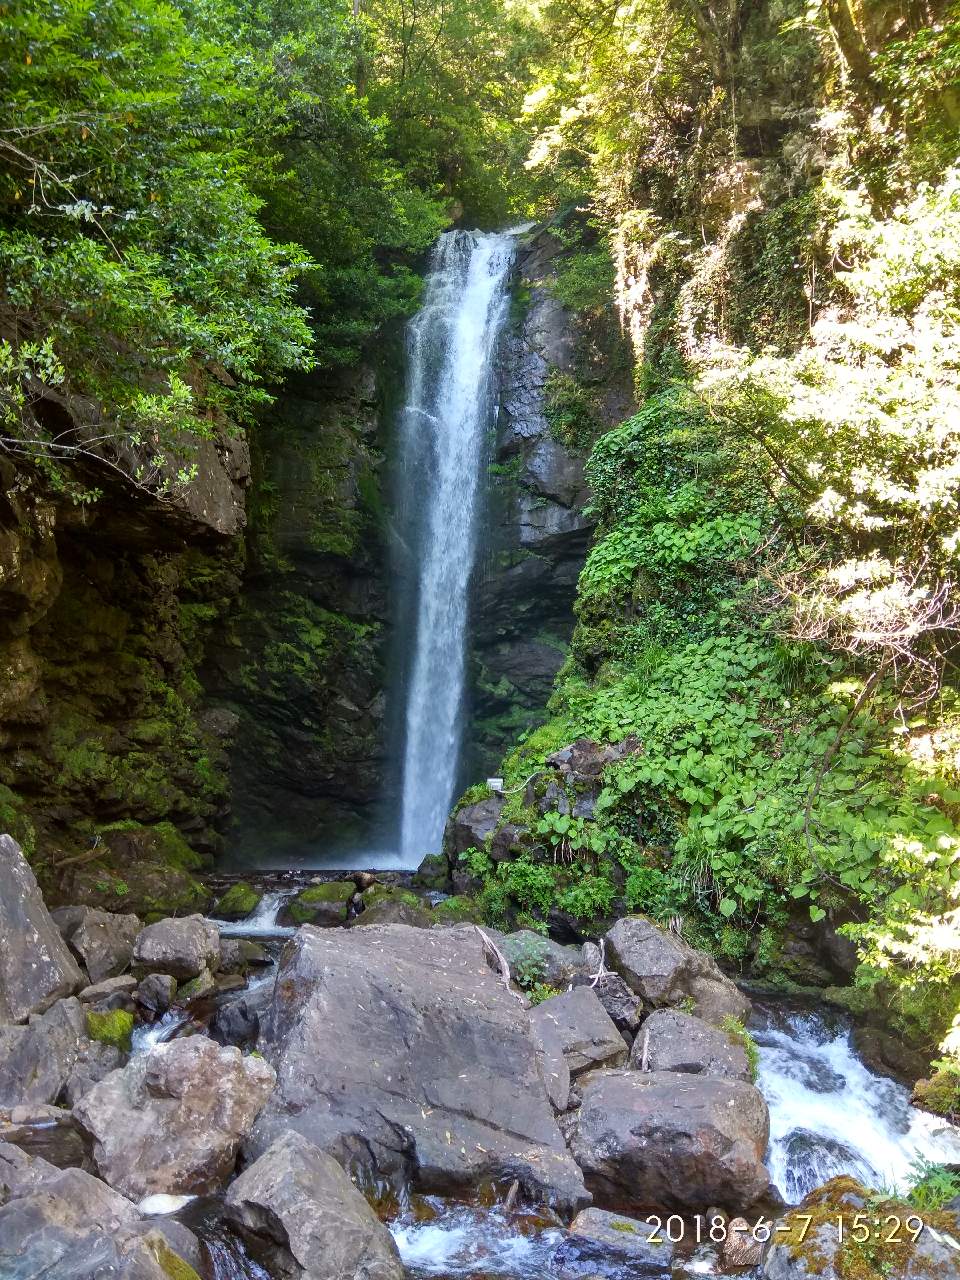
x=323 y=904
x=115 y=1026
x=394 y=911
x=457 y=910
x=379 y=893
x=199 y=986
x=170 y=1263
x=940 y=1093
x=240 y=901
x=150 y=890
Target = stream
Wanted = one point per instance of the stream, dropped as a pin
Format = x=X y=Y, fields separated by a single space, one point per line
x=829 y=1115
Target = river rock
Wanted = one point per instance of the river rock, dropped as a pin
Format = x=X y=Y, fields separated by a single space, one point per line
x=431 y=1074
x=664 y=970
x=675 y=1041
x=36 y=1060
x=64 y=1224
x=101 y=940
x=609 y=1244
x=36 y=967
x=306 y=1219
x=172 y=1120
x=588 y=1038
x=156 y=992
x=673 y=1140
x=741 y=1248
x=183 y=948
x=45 y=1131
x=817 y=1254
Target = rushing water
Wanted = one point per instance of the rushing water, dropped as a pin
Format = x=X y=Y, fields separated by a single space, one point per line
x=443 y=425
x=830 y=1115
x=263 y=922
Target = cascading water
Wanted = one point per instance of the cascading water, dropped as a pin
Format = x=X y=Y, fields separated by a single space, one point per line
x=443 y=426
x=830 y=1115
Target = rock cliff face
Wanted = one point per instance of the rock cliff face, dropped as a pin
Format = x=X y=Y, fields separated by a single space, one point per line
x=537 y=529
x=103 y=608
x=300 y=660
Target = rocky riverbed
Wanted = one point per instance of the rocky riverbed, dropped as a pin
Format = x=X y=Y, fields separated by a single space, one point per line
x=365 y=1091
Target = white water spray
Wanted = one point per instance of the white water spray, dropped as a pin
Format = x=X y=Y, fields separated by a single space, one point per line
x=447 y=412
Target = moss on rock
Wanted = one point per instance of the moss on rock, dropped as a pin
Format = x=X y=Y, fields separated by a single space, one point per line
x=457 y=910
x=325 y=903
x=239 y=901
x=113 y=1026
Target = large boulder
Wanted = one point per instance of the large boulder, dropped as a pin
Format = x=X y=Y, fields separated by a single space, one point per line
x=182 y=948
x=36 y=967
x=533 y=958
x=806 y=1244
x=172 y=1120
x=673 y=1140
x=675 y=1041
x=588 y=1038
x=101 y=940
x=36 y=1060
x=470 y=826
x=604 y=1244
x=664 y=970
x=301 y=1213
x=401 y=1051
x=63 y=1224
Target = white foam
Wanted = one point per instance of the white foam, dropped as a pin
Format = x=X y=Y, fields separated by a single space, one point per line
x=160 y=1205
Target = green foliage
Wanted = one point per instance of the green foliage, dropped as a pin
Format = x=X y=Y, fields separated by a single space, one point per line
x=541 y=991
x=931 y=1185
x=584 y=280
x=570 y=410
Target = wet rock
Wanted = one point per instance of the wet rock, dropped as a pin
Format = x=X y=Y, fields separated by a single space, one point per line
x=470 y=826
x=36 y=967
x=433 y=873
x=608 y=1243
x=673 y=1041
x=432 y=1074
x=66 y=1224
x=36 y=1060
x=238 y=1021
x=673 y=1140
x=44 y=1131
x=232 y=959
x=888 y=1054
x=101 y=940
x=664 y=970
x=555 y=472
x=202 y=985
x=172 y=1120
x=183 y=948
x=588 y=1038
x=301 y=1213
x=156 y=992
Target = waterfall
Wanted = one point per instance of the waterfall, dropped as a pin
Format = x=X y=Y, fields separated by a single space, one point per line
x=443 y=426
